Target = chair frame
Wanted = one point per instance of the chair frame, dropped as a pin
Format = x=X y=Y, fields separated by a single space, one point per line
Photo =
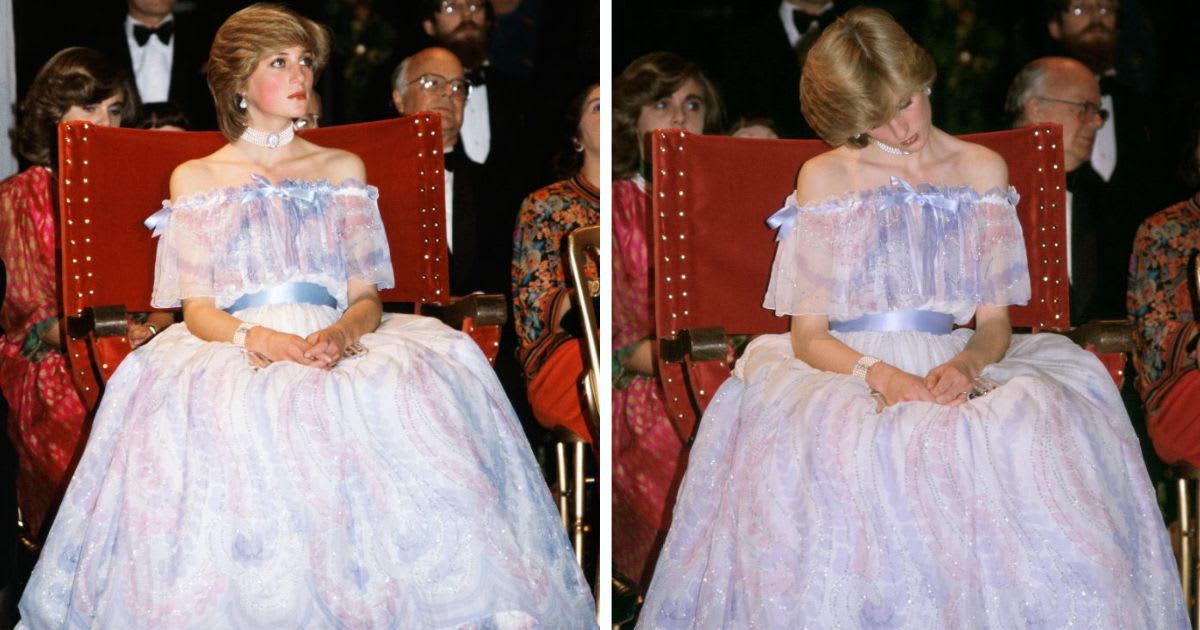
x=696 y=308
x=97 y=234
x=581 y=243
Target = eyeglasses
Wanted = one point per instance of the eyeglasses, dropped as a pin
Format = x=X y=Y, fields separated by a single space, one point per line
x=1098 y=9
x=437 y=84
x=1087 y=111
x=449 y=7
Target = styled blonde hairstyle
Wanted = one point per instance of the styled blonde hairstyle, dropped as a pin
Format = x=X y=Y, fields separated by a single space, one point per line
x=856 y=73
x=73 y=76
x=241 y=43
x=645 y=80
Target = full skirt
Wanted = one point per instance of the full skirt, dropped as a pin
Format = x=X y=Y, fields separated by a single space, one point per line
x=1029 y=507
x=395 y=491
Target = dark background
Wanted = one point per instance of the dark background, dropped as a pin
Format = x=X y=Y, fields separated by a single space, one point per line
x=978 y=46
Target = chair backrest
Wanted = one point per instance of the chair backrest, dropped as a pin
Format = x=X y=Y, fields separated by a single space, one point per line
x=111 y=180
x=713 y=251
x=583 y=244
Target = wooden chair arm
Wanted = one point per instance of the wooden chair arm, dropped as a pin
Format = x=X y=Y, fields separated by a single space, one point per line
x=110 y=320
x=484 y=309
x=696 y=344
x=1107 y=335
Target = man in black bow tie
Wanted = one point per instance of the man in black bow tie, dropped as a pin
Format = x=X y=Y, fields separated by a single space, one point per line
x=1128 y=153
x=758 y=69
x=165 y=53
x=494 y=119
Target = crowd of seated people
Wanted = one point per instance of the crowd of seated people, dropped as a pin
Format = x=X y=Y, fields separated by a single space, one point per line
x=148 y=73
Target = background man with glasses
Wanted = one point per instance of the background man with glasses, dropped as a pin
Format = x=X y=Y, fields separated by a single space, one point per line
x=1099 y=234
x=1128 y=153
x=479 y=220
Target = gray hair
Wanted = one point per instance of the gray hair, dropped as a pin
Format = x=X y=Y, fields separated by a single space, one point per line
x=1027 y=83
x=399 y=73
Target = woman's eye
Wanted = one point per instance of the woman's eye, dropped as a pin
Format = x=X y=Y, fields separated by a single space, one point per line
x=905 y=104
x=306 y=61
x=115 y=110
x=277 y=63
x=694 y=105
x=596 y=108
x=89 y=108
x=660 y=103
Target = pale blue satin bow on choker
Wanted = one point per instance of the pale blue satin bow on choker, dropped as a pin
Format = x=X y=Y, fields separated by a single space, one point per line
x=900 y=193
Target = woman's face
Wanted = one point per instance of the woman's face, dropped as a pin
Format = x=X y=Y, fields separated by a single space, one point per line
x=909 y=128
x=683 y=109
x=280 y=85
x=106 y=113
x=589 y=123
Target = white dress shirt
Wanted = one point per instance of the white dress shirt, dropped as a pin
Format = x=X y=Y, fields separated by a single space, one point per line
x=449 y=195
x=789 y=25
x=476 y=132
x=1104 y=149
x=151 y=63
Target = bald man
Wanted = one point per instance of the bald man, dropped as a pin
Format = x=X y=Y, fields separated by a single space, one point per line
x=1100 y=227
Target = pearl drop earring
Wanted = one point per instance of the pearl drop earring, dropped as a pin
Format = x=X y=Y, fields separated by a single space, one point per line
x=242 y=103
x=928 y=90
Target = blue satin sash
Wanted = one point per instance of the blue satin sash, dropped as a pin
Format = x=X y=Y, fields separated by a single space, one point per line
x=911 y=321
x=286 y=293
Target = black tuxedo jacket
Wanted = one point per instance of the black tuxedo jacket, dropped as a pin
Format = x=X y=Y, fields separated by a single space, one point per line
x=189 y=88
x=1103 y=225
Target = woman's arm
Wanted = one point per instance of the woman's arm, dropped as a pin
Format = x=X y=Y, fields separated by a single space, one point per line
x=210 y=323
x=812 y=343
x=993 y=332
x=360 y=317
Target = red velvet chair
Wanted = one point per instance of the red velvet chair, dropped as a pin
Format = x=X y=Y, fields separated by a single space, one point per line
x=712 y=250
x=112 y=179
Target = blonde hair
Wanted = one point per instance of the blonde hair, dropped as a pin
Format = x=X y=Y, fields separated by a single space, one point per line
x=856 y=73
x=241 y=43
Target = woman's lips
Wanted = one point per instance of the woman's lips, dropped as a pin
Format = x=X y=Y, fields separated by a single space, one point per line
x=911 y=141
x=300 y=96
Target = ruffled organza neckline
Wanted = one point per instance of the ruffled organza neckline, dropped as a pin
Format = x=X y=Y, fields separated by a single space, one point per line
x=259 y=185
x=896 y=193
x=898 y=186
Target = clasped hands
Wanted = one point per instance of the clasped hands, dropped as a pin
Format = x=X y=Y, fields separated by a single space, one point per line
x=322 y=349
x=950 y=383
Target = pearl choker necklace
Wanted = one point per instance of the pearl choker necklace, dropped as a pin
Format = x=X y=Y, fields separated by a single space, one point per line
x=269 y=140
x=887 y=148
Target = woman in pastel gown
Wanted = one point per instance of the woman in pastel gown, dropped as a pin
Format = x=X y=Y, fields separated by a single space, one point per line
x=289 y=457
x=876 y=468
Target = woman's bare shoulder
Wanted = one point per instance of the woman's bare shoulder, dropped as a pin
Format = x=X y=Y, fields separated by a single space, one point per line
x=193 y=177
x=337 y=165
x=981 y=167
x=823 y=176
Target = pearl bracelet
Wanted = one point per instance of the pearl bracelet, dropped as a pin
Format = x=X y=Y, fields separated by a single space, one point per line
x=863 y=365
x=239 y=335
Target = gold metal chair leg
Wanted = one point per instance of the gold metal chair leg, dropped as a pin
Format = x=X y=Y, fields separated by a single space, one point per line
x=564 y=485
x=1187 y=537
x=579 y=526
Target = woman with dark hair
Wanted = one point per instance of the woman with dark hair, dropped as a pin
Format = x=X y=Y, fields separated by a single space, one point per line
x=291 y=457
x=46 y=415
x=877 y=467
x=551 y=355
x=1163 y=301
x=659 y=90
x=163 y=117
